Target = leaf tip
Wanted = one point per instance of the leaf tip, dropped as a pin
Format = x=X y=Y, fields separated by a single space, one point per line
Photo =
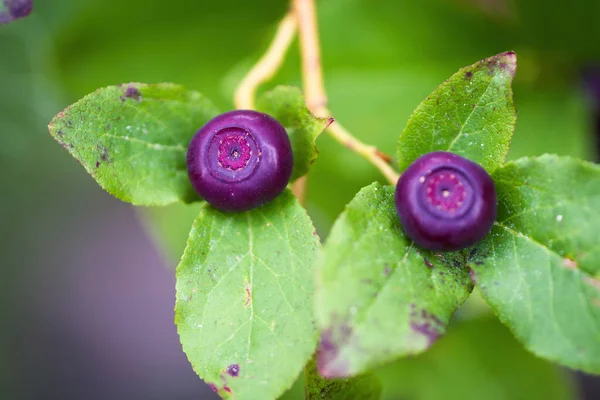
x=504 y=62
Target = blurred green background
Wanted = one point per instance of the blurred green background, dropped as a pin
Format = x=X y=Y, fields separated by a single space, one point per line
x=86 y=282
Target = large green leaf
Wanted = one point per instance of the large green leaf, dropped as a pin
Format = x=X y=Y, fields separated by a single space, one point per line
x=378 y=295
x=540 y=267
x=478 y=359
x=133 y=139
x=286 y=104
x=471 y=114
x=363 y=387
x=244 y=295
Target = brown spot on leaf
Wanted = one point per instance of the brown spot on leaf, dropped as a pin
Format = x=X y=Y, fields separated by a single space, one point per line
x=506 y=61
x=426 y=330
x=468 y=75
x=473 y=276
x=131 y=93
x=426 y=324
x=428 y=263
x=213 y=387
x=233 y=370
x=103 y=157
x=387 y=270
x=329 y=362
x=571 y=264
x=248 y=289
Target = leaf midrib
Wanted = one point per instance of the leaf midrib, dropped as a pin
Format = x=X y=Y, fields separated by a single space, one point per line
x=462 y=128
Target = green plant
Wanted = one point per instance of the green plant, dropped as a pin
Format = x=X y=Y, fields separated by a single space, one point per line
x=245 y=305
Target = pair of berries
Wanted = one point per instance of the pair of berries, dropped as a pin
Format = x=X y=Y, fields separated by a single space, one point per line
x=242 y=159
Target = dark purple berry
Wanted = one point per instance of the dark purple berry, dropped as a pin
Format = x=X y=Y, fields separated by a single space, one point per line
x=240 y=160
x=445 y=202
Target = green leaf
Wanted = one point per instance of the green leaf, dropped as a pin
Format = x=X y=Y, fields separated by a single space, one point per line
x=286 y=104
x=478 y=359
x=364 y=387
x=471 y=114
x=11 y=10
x=540 y=267
x=244 y=290
x=378 y=296
x=133 y=139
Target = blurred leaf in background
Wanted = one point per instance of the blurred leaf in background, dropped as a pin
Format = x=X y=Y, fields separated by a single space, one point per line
x=477 y=359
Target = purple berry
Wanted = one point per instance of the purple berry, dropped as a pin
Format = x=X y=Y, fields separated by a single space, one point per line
x=240 y=160
x=445 y=202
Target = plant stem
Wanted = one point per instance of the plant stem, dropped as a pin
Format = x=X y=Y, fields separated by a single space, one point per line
x=304 y=18
x=380 y=160
x=268 y=65
x=315 y=95
x=312 y=74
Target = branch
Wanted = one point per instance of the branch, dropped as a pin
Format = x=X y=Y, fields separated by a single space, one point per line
x=268 y=65
x=380 y=160
x=312 y=75
x=316 y=98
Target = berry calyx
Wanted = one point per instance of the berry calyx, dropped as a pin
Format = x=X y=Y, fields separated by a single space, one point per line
x=445 y=202
x=240 y=160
